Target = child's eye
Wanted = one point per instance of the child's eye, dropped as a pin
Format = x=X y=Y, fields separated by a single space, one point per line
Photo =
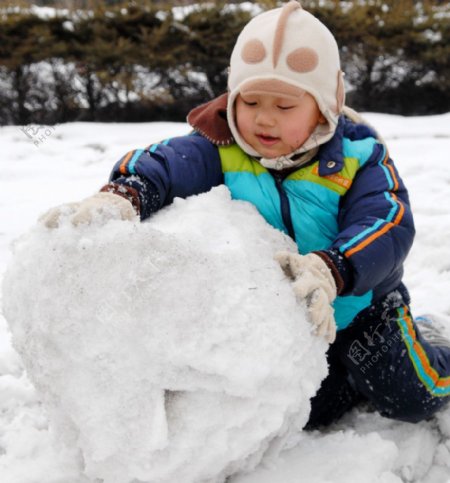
x=285 y=108
x=248 y=103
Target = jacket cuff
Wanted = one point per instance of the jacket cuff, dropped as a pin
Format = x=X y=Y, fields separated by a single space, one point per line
x=124 y=191
x=148 y=199
x=340 y=268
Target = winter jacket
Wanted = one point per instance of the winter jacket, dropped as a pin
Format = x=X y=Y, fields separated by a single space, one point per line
x=348 y=205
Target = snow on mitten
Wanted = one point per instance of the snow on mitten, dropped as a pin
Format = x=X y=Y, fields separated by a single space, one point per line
x=101 y=206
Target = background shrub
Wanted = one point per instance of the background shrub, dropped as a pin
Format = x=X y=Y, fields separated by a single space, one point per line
x=143 y=61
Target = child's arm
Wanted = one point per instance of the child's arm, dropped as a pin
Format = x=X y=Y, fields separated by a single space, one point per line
x=178 y=167
x=145 y=180
x=376 y=229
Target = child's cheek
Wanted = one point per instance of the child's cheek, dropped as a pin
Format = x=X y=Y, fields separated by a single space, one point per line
x=296 y=137
x=244 y=124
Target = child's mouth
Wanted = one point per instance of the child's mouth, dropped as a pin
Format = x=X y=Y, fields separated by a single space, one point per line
x=267 y=140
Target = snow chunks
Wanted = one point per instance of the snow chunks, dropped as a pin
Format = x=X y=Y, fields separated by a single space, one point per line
x=169 y=350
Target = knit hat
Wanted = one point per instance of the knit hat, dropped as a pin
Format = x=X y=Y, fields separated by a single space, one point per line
x=287 y=52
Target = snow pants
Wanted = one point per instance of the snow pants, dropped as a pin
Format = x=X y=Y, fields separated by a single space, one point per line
x=382 y=358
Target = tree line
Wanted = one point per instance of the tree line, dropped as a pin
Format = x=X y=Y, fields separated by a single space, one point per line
x=145 y=62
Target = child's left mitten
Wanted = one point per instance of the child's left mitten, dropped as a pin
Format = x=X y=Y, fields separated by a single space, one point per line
x=314 y=283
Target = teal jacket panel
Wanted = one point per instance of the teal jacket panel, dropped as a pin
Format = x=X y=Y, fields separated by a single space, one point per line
x=313 y=203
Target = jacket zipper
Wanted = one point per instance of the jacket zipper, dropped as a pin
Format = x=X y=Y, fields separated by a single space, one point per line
x=285 y=205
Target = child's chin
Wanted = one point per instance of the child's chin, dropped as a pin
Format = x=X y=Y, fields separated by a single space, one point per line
x=270 y=154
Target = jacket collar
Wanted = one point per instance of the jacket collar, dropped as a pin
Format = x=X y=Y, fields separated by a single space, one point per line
x=210 y=120
x=331 y=157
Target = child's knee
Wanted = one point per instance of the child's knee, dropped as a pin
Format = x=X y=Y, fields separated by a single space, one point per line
x=396 y=390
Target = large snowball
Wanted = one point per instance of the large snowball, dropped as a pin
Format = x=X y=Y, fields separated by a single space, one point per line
x=166 y=351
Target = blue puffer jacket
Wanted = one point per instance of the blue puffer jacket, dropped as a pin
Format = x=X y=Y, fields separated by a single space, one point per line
x=348 y=205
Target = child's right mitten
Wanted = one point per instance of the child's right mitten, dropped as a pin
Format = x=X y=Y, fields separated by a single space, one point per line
x=100 y=207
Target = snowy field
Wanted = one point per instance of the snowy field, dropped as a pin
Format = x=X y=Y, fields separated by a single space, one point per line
x=71 y=161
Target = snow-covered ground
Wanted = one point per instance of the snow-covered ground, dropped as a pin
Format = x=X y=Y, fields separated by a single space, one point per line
x=54 y=165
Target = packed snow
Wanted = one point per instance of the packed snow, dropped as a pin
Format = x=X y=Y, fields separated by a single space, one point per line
x=43 y=167
x=170 y=350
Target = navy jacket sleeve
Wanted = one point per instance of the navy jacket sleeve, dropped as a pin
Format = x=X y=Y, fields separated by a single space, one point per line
x=376 y=227
x=178 y=167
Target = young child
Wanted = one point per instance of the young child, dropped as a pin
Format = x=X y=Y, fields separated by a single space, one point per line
x=282 y=139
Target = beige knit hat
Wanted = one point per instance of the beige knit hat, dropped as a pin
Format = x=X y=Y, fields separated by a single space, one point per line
x=287 y=51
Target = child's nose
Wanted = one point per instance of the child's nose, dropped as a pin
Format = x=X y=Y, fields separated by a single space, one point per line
x=264 y=118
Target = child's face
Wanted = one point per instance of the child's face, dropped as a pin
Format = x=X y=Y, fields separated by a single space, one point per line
x=276 y=126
